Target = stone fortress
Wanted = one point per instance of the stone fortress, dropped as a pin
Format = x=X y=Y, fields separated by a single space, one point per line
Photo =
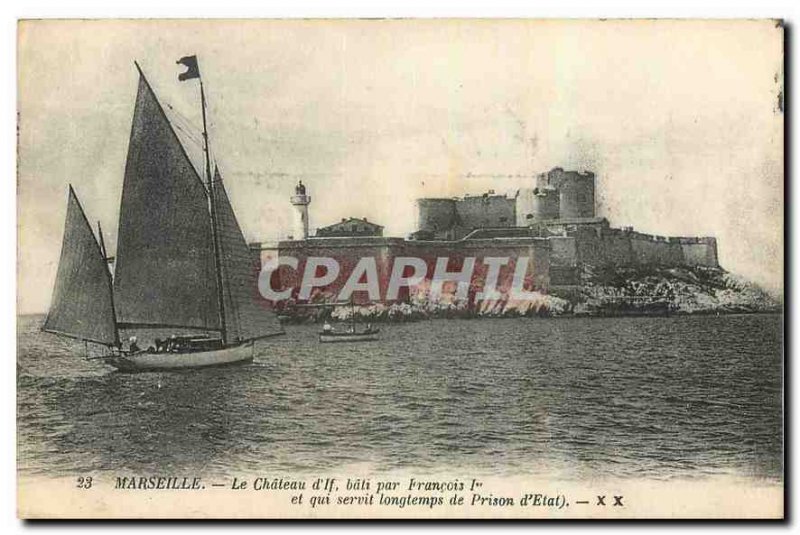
x=558 y=195
x=560 y=208
x=554 y=224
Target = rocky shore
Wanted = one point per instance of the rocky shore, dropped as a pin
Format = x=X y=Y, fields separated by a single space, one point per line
x=681 y=290
x=618 y=291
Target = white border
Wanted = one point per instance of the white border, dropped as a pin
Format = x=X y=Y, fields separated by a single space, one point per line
x=786 y=9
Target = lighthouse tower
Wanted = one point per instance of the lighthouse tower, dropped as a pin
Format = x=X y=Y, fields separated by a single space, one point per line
x=300 y=201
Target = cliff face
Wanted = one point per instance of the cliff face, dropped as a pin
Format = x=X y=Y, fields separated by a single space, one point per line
x=686 y=290
x=604 y=291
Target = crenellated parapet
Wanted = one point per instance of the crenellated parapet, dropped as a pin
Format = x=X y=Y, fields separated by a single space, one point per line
x=624 y=246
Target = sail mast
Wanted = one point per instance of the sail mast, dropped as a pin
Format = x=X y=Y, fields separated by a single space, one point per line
x=213 y=209
x=110 y=281
x=102 y=242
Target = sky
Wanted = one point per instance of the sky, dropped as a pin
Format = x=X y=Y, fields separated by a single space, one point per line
x=680 y=121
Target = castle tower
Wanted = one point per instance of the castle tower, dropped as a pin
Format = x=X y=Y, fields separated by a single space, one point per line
x=537 y=204
x=576 y=192
x=300 y=201
x=437 y=216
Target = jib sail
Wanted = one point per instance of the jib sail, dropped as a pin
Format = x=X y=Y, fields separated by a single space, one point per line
x=82 y=305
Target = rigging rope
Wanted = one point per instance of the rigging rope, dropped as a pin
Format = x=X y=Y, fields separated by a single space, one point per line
x=185 y=119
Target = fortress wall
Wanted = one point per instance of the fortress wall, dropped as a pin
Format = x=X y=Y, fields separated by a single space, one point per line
x=563 y=261
x=540 y=204
x=486 y=211
x=618 y=248
x=454 y=218
x=459 y=231
x=552 y=261
x=656 y=250
x=563 y=251
x=675 y=255
x=348 y=252
x=699 y=251
x=665 y=254
x=599 y=245
x=524 y=207
x=590 y=246
x=648 y=249
x=537 y=250
x=436 y=214
x=546 y=205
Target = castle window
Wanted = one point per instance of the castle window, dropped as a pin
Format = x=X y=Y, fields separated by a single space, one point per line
x=529 y=216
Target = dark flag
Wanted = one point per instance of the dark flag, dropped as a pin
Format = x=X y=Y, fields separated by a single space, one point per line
x=192 y=71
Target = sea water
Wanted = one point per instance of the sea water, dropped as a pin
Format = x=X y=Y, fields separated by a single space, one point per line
x=684 y=396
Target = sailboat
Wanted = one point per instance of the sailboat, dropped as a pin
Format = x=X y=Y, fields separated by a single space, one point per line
x=182 y=262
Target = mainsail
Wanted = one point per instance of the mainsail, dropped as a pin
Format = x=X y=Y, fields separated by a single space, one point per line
x=246 y=316
x=182 y=260
x=165 y=269
x=82 y=305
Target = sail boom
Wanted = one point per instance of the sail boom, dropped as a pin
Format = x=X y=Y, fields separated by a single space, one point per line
x=76 y=337
x=146 y=325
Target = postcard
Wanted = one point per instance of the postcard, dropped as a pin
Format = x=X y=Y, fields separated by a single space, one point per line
x=408 y=269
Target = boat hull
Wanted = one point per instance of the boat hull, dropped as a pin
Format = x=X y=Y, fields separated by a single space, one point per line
x=348 y=337
x=181 y=361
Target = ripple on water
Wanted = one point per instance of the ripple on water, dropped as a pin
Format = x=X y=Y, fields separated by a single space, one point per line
x=626 y=397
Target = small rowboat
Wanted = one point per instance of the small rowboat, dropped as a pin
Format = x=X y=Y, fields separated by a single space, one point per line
x=329 y=335
x=368 y=335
